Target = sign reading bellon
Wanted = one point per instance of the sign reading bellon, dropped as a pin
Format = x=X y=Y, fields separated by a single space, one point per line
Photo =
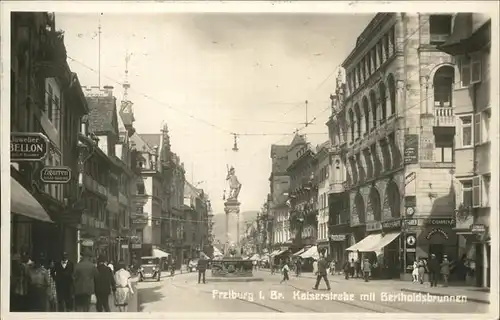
x=55 y=175
x=28 y=146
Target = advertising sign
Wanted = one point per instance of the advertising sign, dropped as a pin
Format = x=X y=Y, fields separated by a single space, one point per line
x=139 y=220
x=337 y=237
x=392 y=224
x=411 y=149
x=440 y=222
x=28 y=146
x=55 y=175
x=478 y=228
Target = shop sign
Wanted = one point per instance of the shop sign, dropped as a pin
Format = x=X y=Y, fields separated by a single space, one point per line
x=411 y=149
x=411 y=249
x=87 y=242
x=55 y=175
x=478 y=228
x=440 y=222
x=392 y=224
x=136 y=246
x=124 y=246
x=337 y=237
x=28 y=146
x=373 y=226
x=410 y=222
x=436 y=231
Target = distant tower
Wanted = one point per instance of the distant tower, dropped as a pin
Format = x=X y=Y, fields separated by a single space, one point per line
x=126 y=84
x=126 y=111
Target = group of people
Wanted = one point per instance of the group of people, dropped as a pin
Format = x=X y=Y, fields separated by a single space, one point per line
x=40 y=285
x=434 y=268
x=321 y=267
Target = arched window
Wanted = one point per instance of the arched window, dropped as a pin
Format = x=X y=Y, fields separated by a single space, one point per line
x=393 y=199
x=351 y=124
x=443 y=86
x=392 y=93
x=360 y=207
x=383 y=100
x=366 y=112
x=373 y=102
x=358 y=120
x=376 y=204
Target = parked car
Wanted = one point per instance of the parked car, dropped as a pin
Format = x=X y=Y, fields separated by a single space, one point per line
x=150 y=268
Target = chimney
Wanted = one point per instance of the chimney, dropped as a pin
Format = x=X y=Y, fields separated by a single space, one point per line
x=108 y=90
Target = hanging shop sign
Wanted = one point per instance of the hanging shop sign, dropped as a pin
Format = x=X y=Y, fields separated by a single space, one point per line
x=411 y=149
x=478 y=228
x=440 y=222
x=55 y=175
x=437 y=231
x=124 y=246
x=87 y=242
x=28 y=146
x=337 y=237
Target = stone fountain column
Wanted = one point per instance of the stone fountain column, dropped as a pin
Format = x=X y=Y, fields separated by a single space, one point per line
x=232 y=206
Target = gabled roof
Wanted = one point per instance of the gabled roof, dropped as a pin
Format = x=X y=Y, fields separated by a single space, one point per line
x=297 y=140
x=102 y=112
x=152 y=139
x=140 y=144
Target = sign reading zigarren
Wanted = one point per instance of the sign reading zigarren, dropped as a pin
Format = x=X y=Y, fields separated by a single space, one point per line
x=28 y=146
x=55 y=175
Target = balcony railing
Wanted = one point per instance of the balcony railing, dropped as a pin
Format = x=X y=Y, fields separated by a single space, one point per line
x=444 y=116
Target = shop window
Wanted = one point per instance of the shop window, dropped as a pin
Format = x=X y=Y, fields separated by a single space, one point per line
x=440 y=28
x=443 y=150
x=465 y=132
x=443 y=82
x=470 y=69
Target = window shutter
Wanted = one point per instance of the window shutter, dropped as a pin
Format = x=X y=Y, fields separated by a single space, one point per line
x=475 y=67
x=465 y=71
x=477 y=129
x=476 y=192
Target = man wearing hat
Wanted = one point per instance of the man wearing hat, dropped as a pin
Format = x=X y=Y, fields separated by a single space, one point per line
x=434 y=269
x=84 y=277
x=64 y=283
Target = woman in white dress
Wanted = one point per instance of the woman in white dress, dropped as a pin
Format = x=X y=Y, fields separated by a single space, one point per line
x=415 y=272
x=123 y=287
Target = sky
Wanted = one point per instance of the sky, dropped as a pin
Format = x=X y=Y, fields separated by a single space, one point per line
x=210 y=75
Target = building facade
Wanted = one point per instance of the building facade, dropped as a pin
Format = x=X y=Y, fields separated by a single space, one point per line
x=303 y=193
x=399 y=141
x=46 y=98
x=469 y=44
x=322 y=175
x=196 y=220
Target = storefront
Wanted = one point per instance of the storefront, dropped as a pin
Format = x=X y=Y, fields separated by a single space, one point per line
x=339 y=239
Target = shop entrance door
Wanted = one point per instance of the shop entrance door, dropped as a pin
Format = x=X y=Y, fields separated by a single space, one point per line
x=438 y=250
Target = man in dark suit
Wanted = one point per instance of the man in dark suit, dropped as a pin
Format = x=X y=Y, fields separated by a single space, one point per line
x=104 y=284
x=202 y=268
x=434 y=269
x=64 y=283
x=84 y=277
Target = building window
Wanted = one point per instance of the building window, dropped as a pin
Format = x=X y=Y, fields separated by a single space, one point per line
x=440 y=28
x=443 y=81
x=392 y=39
x=358 y=120
x=351 y=124
x=366 y=112
x=486 y=179
x=386 y=46
x=476 y=191
x=485 y=127
x=470 y=70
x=466 y=193
x=140 y=189
x=443 y=150
x=380 y=53
x=383 y=101
x=373 y=102
x=477 y=129
x=50 y=100
x=466 y=131
x=369 y=62
x=363 y=70
x=358 y=71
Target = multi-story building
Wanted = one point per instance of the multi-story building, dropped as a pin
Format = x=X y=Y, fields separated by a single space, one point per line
x=399 y=150
x=303 y=193
x=46 y=98
x=278 y=207
x=196 y=220
x=338 y=197
x=106 y=175
x=322 y=176
x=469 y=44
x=149 y=189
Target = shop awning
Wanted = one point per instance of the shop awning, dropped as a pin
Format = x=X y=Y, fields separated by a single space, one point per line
x=157 y=253
x=384 y=241
x=301 y=251
x=280 y=252
x=23 y=203
x=312 y=252
x=366 y=244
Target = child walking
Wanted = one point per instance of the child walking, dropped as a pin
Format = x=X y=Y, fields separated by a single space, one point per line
x=285 y=271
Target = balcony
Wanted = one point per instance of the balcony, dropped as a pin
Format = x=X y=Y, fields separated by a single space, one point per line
x=443 y=115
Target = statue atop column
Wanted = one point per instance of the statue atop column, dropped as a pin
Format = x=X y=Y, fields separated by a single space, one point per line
x=234 y=185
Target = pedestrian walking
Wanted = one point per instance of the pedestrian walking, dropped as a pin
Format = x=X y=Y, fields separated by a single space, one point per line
x=19 y=301
x=52 y=289
x=434 y=269
x=298 y=267
x=322 y=273
x=285 y=270
x=202 y=269
x=64 y=283
x=333 y=265
x=414 y=273
x=445 y=270
x=367 y=268
x=123 y=287
x=352 y=267
x=422 y=269
x=347 y=269
x=84 y=282
x=38 y=286
x=104 y=284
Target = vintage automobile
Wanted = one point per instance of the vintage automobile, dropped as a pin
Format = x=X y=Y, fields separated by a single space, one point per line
x=150 y=268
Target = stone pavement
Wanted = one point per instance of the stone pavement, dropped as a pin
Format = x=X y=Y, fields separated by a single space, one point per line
x=474 y=294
